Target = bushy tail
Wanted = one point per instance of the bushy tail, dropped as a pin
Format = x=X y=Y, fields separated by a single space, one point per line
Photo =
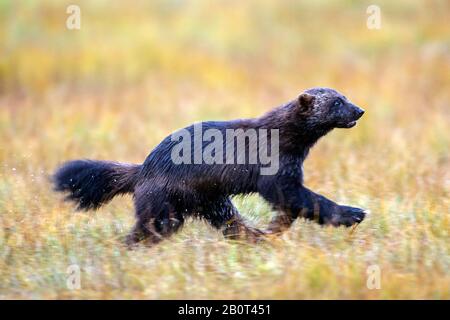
x=92 y=183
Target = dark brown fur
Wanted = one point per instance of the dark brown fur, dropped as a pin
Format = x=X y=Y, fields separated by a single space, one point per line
x=166 y=193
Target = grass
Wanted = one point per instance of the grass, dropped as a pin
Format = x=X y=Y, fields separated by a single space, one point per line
x=135 y=73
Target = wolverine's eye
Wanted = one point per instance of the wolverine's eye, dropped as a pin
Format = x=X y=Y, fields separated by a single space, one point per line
x=337 y=103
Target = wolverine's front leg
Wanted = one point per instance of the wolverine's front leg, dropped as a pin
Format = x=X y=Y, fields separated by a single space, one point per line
x=292 y=202
x=326 y=211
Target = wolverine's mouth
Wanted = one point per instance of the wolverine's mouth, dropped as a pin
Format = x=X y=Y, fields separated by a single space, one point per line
x=350 y=124
x=346 y=125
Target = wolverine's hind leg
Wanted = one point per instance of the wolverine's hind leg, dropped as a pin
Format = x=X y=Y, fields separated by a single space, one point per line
x=281 y=222
x=224 y=216
x=156 y=218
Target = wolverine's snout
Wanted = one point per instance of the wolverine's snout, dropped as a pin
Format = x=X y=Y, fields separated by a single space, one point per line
x=358 y=112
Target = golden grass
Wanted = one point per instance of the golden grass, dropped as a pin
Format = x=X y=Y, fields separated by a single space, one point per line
x=136 y=72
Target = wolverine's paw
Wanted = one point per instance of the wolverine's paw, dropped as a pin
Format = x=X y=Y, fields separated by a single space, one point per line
x=348 y=216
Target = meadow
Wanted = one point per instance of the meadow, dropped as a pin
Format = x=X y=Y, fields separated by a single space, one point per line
x=135 y=72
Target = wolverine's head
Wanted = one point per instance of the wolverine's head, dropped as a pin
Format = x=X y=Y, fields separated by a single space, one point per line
x=327 y=108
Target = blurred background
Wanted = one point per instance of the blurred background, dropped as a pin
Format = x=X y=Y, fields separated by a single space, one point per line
x=136 y=71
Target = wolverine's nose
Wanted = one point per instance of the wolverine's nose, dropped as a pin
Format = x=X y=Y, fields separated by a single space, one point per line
x=359 y=112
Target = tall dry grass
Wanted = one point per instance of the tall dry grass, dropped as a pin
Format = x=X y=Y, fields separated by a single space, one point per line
x=137 y=71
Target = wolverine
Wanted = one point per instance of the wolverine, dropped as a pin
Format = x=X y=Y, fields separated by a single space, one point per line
x=166 y=192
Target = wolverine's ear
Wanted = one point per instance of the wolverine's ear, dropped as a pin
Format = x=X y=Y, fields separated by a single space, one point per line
x=305 y=102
